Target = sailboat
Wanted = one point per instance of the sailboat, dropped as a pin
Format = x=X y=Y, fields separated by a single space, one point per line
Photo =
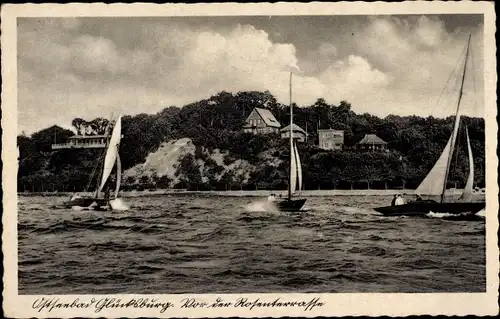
x=295 y=175
x=112 y=156
x=434 y=184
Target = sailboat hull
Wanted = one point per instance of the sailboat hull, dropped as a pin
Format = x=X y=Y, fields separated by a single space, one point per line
x=422 y=208
x=291 y=205
x=87 y=202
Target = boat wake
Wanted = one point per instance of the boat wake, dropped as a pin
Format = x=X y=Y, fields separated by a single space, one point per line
x=261 y=206
x=438 y=215
x=118 y=204
x=481 y=213
x=462 y=216
x=80 y=208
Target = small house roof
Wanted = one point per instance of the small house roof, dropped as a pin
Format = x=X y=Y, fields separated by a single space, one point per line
x=295 y=127
x=268 y=117
x=372 y=139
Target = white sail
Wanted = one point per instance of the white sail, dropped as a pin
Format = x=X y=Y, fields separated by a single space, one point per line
x=467 y=194
x=299 y=167
x=118 y=173
x=293 y=169
x=112 y=151
x=452 y=148
x=432 y=185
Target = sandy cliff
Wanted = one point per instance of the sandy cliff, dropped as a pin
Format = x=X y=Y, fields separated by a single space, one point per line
x=165 y=162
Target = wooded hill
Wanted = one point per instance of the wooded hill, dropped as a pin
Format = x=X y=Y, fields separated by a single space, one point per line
x=415 y=143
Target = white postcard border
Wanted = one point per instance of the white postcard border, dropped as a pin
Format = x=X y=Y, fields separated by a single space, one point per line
x=335 y=304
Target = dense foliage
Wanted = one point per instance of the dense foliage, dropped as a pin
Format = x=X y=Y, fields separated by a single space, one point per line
x=415 y=143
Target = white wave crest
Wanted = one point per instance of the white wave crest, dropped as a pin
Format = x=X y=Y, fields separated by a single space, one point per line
x=261 y=206
x=118 y=204
x=446 y=215
x=439 y=215
x=481 y=213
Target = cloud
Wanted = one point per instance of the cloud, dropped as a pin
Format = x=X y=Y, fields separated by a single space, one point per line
x=327 y=50
x=347 y=79
x=429 y=33
x=419 y=55
x=76 y=68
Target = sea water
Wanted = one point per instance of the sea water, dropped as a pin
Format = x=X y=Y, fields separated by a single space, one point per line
x=187 y=244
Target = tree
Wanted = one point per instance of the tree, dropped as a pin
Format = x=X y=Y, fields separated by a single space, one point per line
x=189 y=172
x=98 y=126
x=216 y=123
x=164 y=182
x=80 y=125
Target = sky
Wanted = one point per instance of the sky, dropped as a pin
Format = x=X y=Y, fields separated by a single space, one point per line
x=101 y=66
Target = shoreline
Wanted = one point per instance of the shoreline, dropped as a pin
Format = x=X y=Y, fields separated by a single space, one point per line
x=247 y=193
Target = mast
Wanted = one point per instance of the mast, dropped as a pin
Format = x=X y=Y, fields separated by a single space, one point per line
x=457 y=122
x=292 y=154
x=306 y=132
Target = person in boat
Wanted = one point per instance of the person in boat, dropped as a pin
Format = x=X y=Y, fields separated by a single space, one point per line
x=271 y=198
x=399 y=200
x=106 y=194
x=393 y=202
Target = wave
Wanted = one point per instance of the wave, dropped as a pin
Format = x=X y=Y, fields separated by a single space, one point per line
x=31 y=207
x=151 y=229
x=118 y=204
x=261 y=206
x=461 y=216
x=368 y=251
x=29 y=262
x=80 y=208
x=420 y=263
x=95 y=224
x=117 y=246
x=249 y=218
x=219 y=232
x=356 y=210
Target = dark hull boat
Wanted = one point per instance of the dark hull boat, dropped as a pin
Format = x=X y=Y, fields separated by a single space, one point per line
x=422 y=208
x=87 y=202
x=291 y=205
x=434 y=184
x=295 y=174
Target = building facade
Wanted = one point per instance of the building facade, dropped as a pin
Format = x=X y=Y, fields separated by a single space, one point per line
x=298 y=133
x=83 y=141
x=261 y=121
x=331 y=139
